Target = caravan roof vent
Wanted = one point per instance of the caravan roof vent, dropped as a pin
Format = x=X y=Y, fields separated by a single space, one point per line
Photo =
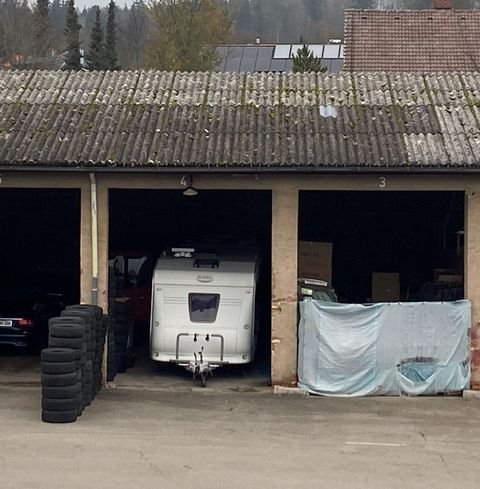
x=183 y=252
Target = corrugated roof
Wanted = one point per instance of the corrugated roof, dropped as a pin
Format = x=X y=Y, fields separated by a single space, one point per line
x=412 y=40
x=228 y=120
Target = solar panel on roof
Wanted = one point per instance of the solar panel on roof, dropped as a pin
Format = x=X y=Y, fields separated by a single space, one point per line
x=232 y=64
x=278 y=65
x=336 y=66
x=248 y=64
x=263 y=64
x=235 y=52
x=331 y=51
x=316 y=49
x=289 y=65
x=295 y=48
x=250 y=52
x=265 y=52
x=327 y=63
x=282 y=51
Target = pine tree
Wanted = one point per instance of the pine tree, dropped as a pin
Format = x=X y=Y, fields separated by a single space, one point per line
x=110 y=55
x=305 y=62
x=96 y=49
x=42 y=29
x=72 y=34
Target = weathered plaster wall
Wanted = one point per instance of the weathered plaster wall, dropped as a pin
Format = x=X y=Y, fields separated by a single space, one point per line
x=284 y=284
x=472 y=277
x=285 y=190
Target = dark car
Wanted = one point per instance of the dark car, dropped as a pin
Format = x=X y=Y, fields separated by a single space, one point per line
x=24 y=317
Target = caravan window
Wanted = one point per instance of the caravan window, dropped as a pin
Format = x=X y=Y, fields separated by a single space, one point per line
x=203 y=307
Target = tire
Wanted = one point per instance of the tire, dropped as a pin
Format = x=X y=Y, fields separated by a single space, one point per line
x=65 y=320
x=67 y=404
x=121 y=339
x=96 y=311
x=67 y=330
x=63 y=392
x=59 y=416
x=57 y=355
x=59 y=367
x=59 y=380
x=73 y=343
x=80 y=403
x=74 y=311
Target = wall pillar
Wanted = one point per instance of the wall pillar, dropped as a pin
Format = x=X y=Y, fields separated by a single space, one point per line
x=85 y=246
x=472 y=277
x=284 y=285
x=103 y=232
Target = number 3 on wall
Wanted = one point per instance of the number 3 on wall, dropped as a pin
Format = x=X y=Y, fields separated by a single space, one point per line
x=382 y=183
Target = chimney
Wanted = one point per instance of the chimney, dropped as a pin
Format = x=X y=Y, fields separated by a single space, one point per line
x=442 y=4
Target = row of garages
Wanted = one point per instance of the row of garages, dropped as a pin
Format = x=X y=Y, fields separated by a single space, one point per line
x=370 y=244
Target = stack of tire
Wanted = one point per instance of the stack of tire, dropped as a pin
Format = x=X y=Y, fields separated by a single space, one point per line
x=62 y=395
x=122 y=326
x=93 y=318
x=77 y=336
x=111 y=356
x=100 y=341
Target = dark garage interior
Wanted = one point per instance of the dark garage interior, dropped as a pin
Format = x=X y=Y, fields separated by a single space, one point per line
x=40 y=257
x=415 y=238
x=143 y=223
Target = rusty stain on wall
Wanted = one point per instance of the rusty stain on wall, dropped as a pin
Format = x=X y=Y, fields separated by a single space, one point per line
x=475 y=356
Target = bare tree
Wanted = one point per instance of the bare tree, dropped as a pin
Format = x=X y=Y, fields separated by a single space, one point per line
x=133 y=30
x=16 y=28
x=185 y=34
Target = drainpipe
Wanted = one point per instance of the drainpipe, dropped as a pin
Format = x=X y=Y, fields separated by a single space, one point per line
x=93 y=209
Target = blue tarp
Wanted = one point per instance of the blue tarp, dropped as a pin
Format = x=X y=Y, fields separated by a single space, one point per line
x=384 y=349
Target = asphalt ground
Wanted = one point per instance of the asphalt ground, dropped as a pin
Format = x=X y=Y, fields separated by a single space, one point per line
x=134 y=438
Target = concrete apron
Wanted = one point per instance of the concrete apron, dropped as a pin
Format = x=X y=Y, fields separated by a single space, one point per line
x=24 y=371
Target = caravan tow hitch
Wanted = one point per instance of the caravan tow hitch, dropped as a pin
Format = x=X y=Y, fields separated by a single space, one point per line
x=200 y=369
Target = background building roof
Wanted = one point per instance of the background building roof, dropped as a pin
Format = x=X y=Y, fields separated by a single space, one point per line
x=412 y=40
x=275 y=57
x=228 y=120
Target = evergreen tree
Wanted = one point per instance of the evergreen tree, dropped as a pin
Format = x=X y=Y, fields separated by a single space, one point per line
x=42 y=29
x=305 y=62
x=110 y=55
x=72 y=34
x=96 y=49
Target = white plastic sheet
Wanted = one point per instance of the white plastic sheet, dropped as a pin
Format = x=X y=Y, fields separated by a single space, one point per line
x=384 y=349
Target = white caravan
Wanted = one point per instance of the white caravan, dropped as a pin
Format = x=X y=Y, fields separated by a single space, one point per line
x=203 y=310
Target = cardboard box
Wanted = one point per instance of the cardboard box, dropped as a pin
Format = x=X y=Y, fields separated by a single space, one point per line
x=315 y=260
x=450 y=278
x=385 y=287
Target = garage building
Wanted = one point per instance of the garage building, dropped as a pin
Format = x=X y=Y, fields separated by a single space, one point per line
x=385 y=167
